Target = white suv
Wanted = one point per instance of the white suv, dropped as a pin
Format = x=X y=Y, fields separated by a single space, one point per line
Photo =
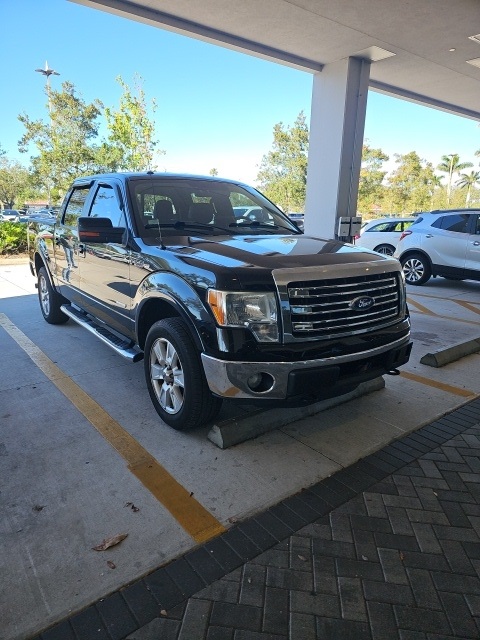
x=382 y=234
x=441 y=243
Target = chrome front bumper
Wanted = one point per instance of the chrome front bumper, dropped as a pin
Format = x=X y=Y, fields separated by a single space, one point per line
x=228 y=379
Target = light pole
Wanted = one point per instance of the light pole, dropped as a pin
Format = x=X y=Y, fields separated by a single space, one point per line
x=47 y=72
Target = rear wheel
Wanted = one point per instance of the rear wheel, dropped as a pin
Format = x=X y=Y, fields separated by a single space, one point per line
x=416 y=269
x=175 y=378
x=386 y=249
x=50 y=300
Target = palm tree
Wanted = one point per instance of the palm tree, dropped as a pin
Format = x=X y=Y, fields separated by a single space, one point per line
x=435 y=183
x=468 y=180
x=451 y=164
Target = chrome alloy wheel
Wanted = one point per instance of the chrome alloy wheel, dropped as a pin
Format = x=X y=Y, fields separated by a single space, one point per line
x=44 y=294
x=385 y=250
x=414 y=269
x=166 y=373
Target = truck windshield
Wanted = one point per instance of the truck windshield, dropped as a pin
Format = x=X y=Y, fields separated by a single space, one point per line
x=176 y=206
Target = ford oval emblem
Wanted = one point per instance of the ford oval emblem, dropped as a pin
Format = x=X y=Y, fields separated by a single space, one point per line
x=362 y=303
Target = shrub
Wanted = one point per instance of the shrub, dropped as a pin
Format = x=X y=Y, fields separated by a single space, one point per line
x=13 y=238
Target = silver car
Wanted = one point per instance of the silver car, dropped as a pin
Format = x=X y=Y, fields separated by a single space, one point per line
x=10 y=215
x=441 y=243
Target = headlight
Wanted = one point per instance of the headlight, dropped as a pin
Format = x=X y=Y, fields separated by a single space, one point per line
x=257 y=311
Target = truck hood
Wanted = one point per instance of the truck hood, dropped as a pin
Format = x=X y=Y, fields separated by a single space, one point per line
x=270 y=252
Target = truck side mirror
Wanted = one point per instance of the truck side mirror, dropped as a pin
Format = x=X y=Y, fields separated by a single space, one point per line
x=99 y=231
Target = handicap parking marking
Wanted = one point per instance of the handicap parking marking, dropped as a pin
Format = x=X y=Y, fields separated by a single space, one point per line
x=199 y=523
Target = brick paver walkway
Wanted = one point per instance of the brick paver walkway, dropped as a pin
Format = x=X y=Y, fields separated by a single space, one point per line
x=386 y=549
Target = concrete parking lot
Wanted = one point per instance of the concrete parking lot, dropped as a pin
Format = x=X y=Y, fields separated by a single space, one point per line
x=84 y=457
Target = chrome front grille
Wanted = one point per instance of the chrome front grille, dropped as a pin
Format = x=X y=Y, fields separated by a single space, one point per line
x=325 y=308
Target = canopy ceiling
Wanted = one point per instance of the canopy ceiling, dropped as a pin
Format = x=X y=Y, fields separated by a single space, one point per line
x=436 y=43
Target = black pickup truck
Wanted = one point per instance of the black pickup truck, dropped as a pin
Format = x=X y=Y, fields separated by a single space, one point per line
x=219 y=292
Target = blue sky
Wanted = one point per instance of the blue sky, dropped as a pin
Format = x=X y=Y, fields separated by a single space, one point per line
x=216 y=107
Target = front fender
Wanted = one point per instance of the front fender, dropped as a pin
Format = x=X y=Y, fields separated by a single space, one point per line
x=164 y=294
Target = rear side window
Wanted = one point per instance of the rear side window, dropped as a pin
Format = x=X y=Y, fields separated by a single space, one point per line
x=457 y=222
x=383 y=226
x=476 y=228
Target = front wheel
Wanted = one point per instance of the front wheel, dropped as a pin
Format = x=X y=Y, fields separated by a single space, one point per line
x=50 y=300
x=175 y=379
x=385 y=249
x=416 y=269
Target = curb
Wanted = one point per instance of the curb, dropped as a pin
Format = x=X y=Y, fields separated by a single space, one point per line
x=239 y=429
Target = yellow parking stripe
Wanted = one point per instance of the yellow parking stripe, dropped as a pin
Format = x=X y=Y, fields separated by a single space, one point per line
x=438 y=385
x=187 y=511
x=420 y=307
x=468 y=306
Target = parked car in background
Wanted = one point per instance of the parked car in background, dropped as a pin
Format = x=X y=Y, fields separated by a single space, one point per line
x=382 y=234
x=10 y=215
x=441 y=243
x=298 y=218
x=40 y=214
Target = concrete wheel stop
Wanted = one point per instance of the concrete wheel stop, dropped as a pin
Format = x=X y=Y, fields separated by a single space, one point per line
x=444 y=356
x=251 y=425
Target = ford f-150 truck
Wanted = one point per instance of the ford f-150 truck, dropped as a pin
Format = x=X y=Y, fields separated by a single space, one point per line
x=219 y=292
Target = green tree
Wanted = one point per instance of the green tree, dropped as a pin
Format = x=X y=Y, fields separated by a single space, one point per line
x=14 y=183
x=468 y=181
x=65 y=144
x=283 y=171
x=370 y=188
x=411 y=184
x=451 y=164
x=132 y=143
x=213 y=172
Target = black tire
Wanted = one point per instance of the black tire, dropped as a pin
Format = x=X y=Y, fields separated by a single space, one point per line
x=416 y=269
x=385 y=249
x=50 y=300
x=175 y=379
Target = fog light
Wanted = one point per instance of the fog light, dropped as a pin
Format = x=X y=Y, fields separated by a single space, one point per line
x=261 y=382
x=254 y=381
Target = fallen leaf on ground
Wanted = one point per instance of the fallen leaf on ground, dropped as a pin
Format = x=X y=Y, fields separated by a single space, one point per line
x=110 y=542
x=163 y=612
x=302 y=558
x=111 y=564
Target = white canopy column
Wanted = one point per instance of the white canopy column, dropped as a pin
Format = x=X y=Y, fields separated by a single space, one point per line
x=339 y=104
